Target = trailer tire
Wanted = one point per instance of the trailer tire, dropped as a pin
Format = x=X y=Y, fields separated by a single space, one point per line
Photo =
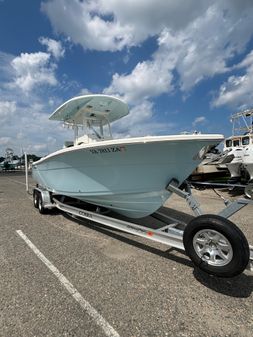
x=41 y=207
x=35 y=199
x=216 y=245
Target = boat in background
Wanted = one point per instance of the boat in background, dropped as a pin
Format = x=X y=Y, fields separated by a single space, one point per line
x=11 y=161
x=128 y=176
x=212 y=166
x=240 y=147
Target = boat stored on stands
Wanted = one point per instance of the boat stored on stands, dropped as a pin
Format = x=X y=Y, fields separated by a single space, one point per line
x=239 y=147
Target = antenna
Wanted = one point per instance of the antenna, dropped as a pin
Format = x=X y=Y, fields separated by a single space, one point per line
x=242 y=122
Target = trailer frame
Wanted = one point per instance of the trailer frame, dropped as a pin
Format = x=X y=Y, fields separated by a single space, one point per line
x=172 y=234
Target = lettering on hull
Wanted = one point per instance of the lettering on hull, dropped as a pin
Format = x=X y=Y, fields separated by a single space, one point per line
x=87 y=215
x=112 y=149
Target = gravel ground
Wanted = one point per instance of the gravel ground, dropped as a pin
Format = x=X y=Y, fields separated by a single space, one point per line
x=139 y=287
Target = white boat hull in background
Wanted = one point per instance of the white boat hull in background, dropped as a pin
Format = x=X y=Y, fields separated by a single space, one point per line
x=248 y=161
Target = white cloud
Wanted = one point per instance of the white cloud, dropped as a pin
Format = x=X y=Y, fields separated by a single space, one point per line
x=32 y=70
x=197 y=37
x=32 y=130
x=5 y=141
x=199 y=51
x=53 y=47
x=7 y=109
x=138 y=114
x=145 y=81
x=139 y=122
x=150 y=16
x=246 y=62
x=78 y=21
x=237 y=90
x=195 y=41
x=5 y=66
x=24 y=121
x=199 y=120
x=38 y=147
x=115 y=24
x=84 y=91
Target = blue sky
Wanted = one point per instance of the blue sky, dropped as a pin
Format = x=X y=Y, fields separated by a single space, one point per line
x=180 y=65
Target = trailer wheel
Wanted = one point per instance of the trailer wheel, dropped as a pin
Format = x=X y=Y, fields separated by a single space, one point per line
x=216 y=245
x=36 y=199
x=41 y=207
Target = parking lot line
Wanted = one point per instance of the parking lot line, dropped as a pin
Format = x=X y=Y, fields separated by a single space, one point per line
x=16 y=181
x=99 y=320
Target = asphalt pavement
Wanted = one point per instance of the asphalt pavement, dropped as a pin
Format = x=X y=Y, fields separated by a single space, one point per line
x=64 y=277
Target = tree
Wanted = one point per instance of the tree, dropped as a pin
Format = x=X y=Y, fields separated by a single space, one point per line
x=31 y=157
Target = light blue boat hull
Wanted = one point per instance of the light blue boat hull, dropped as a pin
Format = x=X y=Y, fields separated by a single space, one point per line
x=129 y=178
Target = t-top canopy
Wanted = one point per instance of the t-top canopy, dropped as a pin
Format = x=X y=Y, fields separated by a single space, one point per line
x=101 y=108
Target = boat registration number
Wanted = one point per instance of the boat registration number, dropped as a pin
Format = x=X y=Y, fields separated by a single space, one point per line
x=108 y=150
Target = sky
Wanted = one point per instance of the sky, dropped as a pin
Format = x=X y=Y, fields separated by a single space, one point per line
x=180 y=65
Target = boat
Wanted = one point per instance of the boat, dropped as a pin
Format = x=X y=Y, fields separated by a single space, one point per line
x=212 y=166
x=248 y=161
x=11 y=161
x=239 y=147
x=129 y=175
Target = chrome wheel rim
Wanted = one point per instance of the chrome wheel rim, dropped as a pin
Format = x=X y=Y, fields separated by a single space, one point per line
x=213 y=247
x=40 y=204
x=35 y=200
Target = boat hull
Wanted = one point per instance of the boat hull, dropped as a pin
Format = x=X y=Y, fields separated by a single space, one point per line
x=234 y=169
x=248 y=161
x=129 y=177
x=249 y=168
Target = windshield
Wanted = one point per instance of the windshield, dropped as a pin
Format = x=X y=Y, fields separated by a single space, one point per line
x=245 y=141
x=100 y=130
x=236 y=142
x=228 y=143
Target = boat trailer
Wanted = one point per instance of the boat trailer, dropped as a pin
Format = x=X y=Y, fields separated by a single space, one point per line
x=247 y=188
x=214 y=243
